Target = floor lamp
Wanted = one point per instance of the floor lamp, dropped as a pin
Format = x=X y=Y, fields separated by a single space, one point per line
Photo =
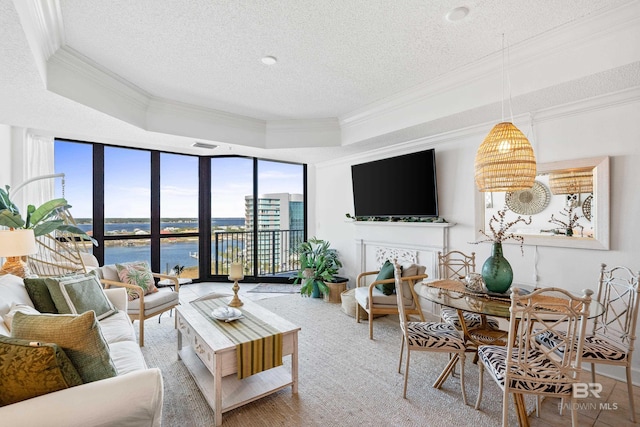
x=14 y=244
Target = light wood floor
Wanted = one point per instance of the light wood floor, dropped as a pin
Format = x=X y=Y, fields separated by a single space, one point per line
x=611 y=410
x=614 y=412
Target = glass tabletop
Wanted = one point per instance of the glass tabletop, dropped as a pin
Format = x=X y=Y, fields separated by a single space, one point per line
x=479 y=302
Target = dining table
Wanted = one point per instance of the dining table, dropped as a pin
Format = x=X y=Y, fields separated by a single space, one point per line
x=454 y=293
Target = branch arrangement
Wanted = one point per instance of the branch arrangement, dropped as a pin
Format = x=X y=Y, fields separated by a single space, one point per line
x=500 y=229
x=571 y=221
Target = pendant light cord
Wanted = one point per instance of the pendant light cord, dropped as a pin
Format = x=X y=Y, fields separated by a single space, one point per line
x=502 y=83
x=509 y=81
x=505 y=77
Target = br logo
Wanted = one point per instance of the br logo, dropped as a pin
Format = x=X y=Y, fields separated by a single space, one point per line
x=584 y=390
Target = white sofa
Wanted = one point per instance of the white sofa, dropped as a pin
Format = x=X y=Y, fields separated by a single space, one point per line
x=132 y=398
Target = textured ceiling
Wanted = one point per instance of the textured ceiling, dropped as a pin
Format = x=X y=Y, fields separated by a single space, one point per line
x=335 y=58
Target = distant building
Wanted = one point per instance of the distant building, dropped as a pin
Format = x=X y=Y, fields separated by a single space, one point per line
x=283 y=214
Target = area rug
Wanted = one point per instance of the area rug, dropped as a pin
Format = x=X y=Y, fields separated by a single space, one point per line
x=346 y=379
x=275 y=288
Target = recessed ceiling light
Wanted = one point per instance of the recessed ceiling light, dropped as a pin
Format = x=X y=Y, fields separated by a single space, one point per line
x=269 y=60
x=199 y=144
x=457 y=14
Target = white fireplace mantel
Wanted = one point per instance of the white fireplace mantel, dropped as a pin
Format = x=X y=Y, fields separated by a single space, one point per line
x=415 y=242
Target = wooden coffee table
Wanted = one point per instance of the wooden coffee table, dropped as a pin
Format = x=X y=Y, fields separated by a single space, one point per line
x=210 y=357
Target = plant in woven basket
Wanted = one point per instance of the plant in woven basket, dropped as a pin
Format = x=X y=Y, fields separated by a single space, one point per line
x=500 y=229
x=318 y=264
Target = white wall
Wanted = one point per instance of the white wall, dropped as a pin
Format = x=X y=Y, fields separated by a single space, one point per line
x=605 y=127
x=5 y=159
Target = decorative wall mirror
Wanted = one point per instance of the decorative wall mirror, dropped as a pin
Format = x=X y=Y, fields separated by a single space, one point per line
x=568 y=205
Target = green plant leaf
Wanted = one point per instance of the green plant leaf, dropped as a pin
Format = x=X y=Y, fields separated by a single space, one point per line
x=11 y=219
x=324 y=289
x=47 y=227
x=27 y=221
x=47 y=210
x=5 y=201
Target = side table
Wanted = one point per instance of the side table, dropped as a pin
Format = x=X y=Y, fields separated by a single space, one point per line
x=169 y=282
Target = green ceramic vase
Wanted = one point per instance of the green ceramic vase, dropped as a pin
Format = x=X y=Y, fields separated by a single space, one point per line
x=496 y=271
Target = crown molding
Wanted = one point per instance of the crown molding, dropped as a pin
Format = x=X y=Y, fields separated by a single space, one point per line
x=44 y=29
x=523 y=121
x=554 y=57
x=74 y=76
x=534 y=57
x=303 y=133
x=69 y=60
x=627 y=96
x=176 y=118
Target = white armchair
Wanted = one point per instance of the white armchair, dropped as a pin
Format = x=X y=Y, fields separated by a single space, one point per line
x=145 y=306
x=374 y=302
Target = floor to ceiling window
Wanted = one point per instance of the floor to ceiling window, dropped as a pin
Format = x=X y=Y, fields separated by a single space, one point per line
x=185 y=214
x=179 y=226
x=74 y=161
x=231 y=184
x=127 y=210
x=280 y=216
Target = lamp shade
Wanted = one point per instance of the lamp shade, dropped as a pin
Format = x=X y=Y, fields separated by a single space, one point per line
x=571 y=182
x=18 y=242
x=505 y=160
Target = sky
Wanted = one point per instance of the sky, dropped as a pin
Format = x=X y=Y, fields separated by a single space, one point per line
x=127 y=182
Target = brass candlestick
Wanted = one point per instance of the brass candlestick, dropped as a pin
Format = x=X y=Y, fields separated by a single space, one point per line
x=235 y=301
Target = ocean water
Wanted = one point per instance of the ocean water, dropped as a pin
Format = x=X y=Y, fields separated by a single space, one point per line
x=170 y=254
x=176 y=252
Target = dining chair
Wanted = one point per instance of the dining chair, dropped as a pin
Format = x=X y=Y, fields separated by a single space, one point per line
x=427 y=336
x=613 y=336
x=526 y=367
x=456 y=265
x=612 y=339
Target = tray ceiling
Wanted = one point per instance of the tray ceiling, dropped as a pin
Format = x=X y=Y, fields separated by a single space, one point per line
x=171 y=72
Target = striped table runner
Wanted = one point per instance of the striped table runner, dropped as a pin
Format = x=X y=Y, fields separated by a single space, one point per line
x=258 y=344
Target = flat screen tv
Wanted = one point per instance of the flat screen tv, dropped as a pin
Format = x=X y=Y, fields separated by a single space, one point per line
x=402 y=186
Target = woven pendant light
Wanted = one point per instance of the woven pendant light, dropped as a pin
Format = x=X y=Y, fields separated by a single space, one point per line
x=571 y=182
x=505 y=160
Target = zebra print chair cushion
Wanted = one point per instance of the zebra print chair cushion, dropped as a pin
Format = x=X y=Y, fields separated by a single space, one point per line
x=434 y=335
x=473 y=320
x=593 y=348
x=494 y=358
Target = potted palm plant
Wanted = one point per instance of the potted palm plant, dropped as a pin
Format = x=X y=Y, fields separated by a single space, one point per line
x=319 y=264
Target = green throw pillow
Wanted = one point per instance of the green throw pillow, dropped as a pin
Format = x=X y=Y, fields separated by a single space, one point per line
x=78 y=335
x=39 y=294
x=83 y=293
x=386 y=272
x=53 y=285
x=30 y=369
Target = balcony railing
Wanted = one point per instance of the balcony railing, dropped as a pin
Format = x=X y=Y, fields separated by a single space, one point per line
x=276 y=252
